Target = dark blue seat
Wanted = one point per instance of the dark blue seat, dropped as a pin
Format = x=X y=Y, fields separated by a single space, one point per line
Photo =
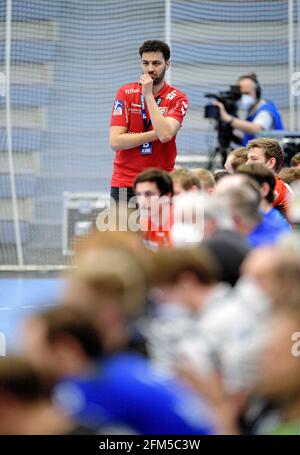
x=24 y=10
x=33 y=95
x=30 y=51
x=7 y=234
x=210 y=10
x=273 y=53
x=23 y=139
x=25 y=185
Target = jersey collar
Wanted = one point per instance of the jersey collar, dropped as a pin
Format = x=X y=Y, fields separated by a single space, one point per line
x=163 y=91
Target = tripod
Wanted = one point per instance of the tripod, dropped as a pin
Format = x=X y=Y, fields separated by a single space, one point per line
x=225 y=137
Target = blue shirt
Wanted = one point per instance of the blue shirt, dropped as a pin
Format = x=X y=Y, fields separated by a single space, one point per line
x=275 y=218
x=127 y=391
x=269 y=230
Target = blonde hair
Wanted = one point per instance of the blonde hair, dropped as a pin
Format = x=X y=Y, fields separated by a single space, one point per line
x=295 y=160
x=114 y=272
x=239 y=157
x=290 y=174
x=186 y=178
x=207 y=180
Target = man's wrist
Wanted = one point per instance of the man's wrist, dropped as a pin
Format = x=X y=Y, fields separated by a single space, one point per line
x=230 y=120
x=149 y=96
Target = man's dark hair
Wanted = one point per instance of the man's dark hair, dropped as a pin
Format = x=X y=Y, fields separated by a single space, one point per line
x=156 y=46
x=170 y=264
x=19 y=378
x=261 y=174
x=218 y=175
x=65 y=321
x=271 y=149
x=161 y=178
x=253 y=78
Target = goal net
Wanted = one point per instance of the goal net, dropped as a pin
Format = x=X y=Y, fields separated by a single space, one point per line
x=61 y=62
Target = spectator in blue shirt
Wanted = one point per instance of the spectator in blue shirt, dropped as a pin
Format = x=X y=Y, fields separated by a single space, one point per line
x=267 y=182
x=243 y=197
x=115 y=390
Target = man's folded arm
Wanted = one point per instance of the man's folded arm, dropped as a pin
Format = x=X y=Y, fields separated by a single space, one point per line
x=165 y=127
x=120 y=139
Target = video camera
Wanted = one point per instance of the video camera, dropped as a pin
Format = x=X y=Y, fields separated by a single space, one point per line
x=225 y=135
x=229 y=98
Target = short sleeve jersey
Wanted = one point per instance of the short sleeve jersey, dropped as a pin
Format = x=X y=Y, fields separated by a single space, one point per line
x=127 y=112
x=282 y=195
x=155 y=236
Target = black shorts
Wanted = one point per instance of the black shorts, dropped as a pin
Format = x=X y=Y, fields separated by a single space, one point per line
x=122 y=194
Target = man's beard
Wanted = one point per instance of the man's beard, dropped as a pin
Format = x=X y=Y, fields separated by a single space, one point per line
x=158 y=80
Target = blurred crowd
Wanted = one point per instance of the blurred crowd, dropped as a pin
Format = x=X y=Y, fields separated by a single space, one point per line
x=188 y=325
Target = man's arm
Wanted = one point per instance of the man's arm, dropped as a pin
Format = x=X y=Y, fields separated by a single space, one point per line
x=165 y=127
x=120 y=139
x=244 y=125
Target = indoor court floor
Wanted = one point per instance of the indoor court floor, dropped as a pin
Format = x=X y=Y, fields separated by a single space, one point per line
x=20 y=295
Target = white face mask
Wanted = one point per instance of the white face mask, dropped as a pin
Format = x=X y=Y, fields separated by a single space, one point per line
x=247 y=101
x=186 y=234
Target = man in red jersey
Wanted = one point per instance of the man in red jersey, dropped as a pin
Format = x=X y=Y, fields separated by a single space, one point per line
x=154 y=191
x=269 y=152
x=145 y=120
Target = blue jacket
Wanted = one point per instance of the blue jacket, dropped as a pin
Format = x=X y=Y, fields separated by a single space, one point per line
x=125 y=391
x=271 y=108
x=269 y=230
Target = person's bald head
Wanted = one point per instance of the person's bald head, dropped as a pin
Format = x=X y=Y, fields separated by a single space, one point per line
x=276 y=270
x=229 y=182
x=241 y=195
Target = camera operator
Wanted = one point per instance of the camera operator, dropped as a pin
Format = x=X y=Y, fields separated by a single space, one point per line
x=261 y=114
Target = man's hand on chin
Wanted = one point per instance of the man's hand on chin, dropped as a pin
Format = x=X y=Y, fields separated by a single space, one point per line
x=147 y=85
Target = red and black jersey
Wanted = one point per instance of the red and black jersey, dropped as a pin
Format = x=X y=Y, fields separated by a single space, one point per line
x=127 y=112
x=282 y=195
x=157 y=236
